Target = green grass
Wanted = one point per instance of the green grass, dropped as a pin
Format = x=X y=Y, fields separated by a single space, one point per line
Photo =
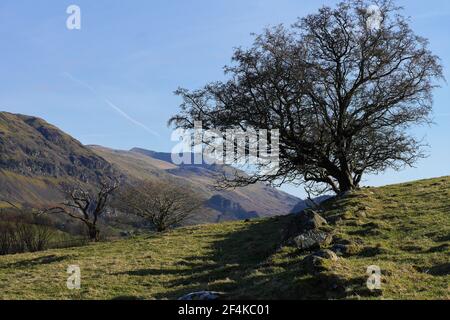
x=405 y=229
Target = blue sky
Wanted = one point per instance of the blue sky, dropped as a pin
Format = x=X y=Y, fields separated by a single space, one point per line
x=111 y=83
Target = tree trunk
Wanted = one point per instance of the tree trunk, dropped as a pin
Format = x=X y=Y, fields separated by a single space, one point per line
x=94 y=233
x=346 y=182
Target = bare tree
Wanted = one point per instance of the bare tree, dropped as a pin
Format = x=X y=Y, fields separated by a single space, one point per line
x=22 y=231
x=34 y=237
x=341 y=91
x=87 y=206
x=164 y=204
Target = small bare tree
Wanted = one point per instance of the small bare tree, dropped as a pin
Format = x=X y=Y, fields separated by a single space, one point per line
x=21 y=232
x=33 y=237
x=165 y=205
x=87 y=206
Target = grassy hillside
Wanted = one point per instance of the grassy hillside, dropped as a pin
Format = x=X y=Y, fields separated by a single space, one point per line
x=404 y=229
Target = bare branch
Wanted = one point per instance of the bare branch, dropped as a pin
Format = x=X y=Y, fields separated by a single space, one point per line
x=341 y=95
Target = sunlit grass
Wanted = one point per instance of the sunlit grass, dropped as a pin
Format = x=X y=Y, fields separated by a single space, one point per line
x=405 y=229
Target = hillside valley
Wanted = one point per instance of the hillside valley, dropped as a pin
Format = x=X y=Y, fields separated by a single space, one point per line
x=403 y=229
x=36 y=159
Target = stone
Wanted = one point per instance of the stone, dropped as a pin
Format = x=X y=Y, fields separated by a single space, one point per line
x=202 y=295
x=125 y=234
x=326 y=254
x=310 y=219
x=345 y=249
x=361 y=214
x=307 y=231
x=312 y=239
x=317 y=261
x=339 y=249
x=314 y=264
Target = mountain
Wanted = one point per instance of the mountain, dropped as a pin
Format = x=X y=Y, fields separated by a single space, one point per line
x=37 y=157
x=403 y=229
x=253 y=201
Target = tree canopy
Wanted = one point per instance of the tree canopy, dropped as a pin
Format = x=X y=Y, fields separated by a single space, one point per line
x=342 y=91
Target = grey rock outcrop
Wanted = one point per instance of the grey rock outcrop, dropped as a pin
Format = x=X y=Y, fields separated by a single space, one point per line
x=308 y=231
x=312 y=239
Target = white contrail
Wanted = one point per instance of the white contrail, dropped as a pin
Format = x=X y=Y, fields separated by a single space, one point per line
x=126 y=116
x=112 y=105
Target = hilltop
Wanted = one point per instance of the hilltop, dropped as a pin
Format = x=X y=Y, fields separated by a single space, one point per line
x=404 y=229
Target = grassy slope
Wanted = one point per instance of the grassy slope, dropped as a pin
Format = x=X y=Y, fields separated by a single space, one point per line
x=406 y=232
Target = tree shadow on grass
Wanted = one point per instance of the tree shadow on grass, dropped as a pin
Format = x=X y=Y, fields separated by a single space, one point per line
x=440 y=270
x=238 y=265
x=36 y=261
x=230 y=258
x=148 y=272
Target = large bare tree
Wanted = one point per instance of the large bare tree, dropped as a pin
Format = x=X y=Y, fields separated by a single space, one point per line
x=343 y=86
x=163 y=204
x=87 y=206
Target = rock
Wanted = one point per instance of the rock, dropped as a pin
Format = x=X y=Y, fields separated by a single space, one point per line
x=312 y=239
x=361 y=214
x=346 y=249
x=339 y=249
x=326 y=254
x=306 y=220
x=339 y=240
x=306 y=231
x=202 y=295
x=310 y=219
x=314 y=264
x=317 y=262
x=125 y=234
x=335 y=219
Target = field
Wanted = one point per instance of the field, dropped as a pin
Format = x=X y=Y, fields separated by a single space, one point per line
x=403 y=229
